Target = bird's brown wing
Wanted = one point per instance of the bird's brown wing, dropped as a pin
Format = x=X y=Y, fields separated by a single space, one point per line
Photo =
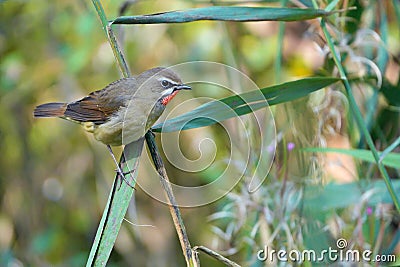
x=100 y=105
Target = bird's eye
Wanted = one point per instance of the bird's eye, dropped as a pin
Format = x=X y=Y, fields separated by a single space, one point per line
x=165 y=83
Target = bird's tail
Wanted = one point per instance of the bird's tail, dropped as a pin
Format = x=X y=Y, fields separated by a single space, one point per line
x=50 y=110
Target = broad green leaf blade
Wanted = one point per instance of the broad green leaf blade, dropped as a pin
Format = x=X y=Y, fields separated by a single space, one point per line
x=225 y=13
x=116 y=207
x=237 y=105
x=390 y=160
x=335 y=196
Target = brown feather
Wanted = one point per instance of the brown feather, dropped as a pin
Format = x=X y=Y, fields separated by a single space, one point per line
x=50 y=110
x=86 y=109
x=100 y=105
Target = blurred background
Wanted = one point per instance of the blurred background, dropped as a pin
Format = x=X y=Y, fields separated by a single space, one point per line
x=55 y=178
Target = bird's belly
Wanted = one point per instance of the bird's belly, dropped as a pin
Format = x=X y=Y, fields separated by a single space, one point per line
x=109 y=134
x=116 y=132
x=128 y=126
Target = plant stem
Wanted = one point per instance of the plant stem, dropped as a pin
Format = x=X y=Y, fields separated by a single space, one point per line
x=188 y=253
x=118 y=54
x=217 y=256
x=357 y=113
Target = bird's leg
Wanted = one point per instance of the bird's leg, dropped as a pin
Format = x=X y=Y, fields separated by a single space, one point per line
x=120 y=172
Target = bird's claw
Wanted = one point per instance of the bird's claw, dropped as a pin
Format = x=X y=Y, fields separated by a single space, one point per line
x=122 y=174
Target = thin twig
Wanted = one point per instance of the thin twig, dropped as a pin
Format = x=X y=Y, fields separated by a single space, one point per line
x=216 y=256
x=188 y=253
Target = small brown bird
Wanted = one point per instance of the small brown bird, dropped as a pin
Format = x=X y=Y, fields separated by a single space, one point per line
x=124 y=110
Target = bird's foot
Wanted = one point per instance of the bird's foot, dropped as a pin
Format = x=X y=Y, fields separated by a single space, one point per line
x=122 y=175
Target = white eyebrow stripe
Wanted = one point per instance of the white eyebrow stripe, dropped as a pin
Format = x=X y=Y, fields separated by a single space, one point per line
x=167 y=92
x=169 y=80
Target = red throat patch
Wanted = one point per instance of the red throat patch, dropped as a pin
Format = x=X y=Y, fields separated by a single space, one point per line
x=168 y=98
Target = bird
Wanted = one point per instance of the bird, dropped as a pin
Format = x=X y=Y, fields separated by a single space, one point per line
x=123 y=111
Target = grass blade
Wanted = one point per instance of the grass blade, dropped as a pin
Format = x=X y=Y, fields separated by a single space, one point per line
x=226 y=13
x=390 y=159
x=237 y=105
x=116 y=207
x=335 y=196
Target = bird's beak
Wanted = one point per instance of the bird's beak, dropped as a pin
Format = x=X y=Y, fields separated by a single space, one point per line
x=183 y=87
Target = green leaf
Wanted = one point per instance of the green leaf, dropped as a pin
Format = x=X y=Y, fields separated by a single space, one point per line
x=237 y=105
x=116 y=207
x=225 y=13
x=334 y=196
x=390 y=160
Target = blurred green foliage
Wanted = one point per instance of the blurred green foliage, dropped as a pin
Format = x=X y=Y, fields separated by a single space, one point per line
x=54 y=178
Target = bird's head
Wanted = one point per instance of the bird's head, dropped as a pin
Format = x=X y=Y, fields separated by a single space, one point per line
x=163 y=84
